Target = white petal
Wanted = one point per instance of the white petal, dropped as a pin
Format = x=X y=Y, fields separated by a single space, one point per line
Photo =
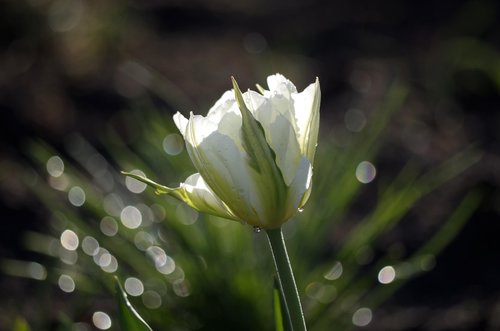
x=301 y=185
x=306 y=110
x=181 y=122
x=279 y=131
x=198 y=195
x=222 y=105
x=217 y=154
x=279 y=84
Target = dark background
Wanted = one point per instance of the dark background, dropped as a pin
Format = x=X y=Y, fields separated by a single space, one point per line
x=69 y=66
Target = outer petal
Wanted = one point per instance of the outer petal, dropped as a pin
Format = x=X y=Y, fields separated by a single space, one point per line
x=181 y=122
x=306 y=111
x=216 y=152
x=197 y=194
x=194 y=192
x=298 y=191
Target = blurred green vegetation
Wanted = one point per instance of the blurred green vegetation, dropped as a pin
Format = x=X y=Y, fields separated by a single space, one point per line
x=187 y=271
x=88 y=89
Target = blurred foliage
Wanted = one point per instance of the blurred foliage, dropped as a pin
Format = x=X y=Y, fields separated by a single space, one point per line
x=93 y=84
x=191 y=271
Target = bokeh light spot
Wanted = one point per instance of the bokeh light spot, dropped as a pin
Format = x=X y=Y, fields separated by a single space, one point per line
x=173 y=144
x=181 y=288
x=80 y=327
x=134 y=286
x=143 y=240
x=186 y=214
x=64 y=15
x=55 y=166
x=76 y=196
x=109 y=226
x=133 y=184
x=37 y=271
x=131 y=217
x=157 y=255
x=66 y=283
x=365 y=172
x=355 y=120
x=68 y=257
x=151 y=299
x=69 y=240
x=90 y=245
x=109 y=263
x=386 y=275
x=101 y=320
x=362 y=317
x=335 y=272
x=427 y=262
x=113 y=204
x=254 y=43
x=60 y=183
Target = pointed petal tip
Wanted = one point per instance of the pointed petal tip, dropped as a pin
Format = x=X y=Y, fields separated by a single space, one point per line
x=233 y=81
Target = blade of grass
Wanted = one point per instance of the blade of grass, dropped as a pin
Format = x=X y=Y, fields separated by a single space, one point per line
x=129 y=319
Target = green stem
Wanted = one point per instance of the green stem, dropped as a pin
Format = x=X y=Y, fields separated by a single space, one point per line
x=286 y=279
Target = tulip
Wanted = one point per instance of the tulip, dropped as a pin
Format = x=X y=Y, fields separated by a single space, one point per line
x=253 y=152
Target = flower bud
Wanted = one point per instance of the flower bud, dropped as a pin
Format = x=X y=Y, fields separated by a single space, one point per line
x=253 y=152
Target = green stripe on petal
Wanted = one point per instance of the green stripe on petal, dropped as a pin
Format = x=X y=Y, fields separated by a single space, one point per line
x=261 y=156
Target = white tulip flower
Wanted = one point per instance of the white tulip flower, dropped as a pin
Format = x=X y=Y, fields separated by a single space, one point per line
x=254 y=153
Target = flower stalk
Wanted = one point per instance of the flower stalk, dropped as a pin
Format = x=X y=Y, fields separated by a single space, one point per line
x=286 y=279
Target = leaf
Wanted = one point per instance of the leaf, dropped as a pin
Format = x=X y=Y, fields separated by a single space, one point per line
x=281 y=318
x=129 y=319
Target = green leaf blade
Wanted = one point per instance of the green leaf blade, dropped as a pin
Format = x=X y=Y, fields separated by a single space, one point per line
x=129 y=319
